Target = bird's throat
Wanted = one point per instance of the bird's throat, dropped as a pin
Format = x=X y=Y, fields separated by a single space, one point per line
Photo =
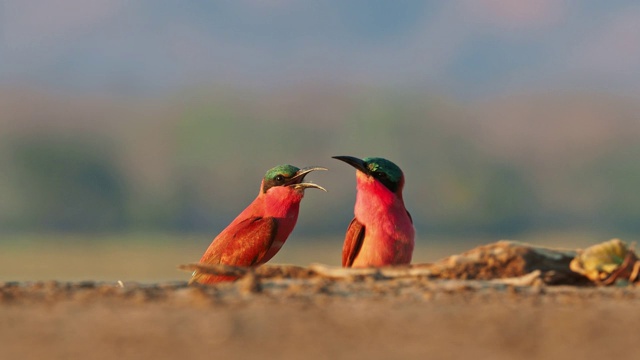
x=282 y=202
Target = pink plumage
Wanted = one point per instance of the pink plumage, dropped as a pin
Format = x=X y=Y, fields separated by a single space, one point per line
x=259 y=232
x=382 y=231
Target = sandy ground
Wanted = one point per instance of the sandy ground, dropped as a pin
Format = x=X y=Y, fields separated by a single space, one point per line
x=317 y=318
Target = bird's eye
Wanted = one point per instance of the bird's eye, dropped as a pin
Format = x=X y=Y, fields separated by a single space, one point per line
x=380 y=174
x=279 y=178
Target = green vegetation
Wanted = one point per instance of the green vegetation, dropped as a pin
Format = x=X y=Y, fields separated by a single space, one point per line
x=67 y=185
x=192 y=166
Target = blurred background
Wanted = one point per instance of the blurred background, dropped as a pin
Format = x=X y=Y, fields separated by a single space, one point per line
x=131 y=133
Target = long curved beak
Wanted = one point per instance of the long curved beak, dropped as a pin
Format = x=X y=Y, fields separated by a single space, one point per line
x=353 y=161
x=296 y=180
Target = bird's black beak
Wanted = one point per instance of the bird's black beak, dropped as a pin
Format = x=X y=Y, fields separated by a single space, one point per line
x=355 y=162
x=296 y=180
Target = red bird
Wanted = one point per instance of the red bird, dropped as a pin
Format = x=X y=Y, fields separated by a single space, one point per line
x=257 y=234
x=382 y=231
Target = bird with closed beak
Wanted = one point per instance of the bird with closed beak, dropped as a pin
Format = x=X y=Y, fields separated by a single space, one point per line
x=382 y=232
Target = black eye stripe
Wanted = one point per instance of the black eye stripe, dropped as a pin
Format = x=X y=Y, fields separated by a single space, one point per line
x=385 y=180
x=278 y=176
x=277 y=180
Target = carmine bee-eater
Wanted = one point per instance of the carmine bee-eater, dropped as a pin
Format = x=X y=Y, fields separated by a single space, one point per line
x=257 y=234
x=381 y=232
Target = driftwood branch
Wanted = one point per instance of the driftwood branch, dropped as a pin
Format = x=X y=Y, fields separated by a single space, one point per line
x=216 y=269
x=264 y=271
x=504 y=262
x=381 y=272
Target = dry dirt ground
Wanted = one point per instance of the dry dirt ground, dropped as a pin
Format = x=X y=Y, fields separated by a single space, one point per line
x=318 y=319
x=500 y=301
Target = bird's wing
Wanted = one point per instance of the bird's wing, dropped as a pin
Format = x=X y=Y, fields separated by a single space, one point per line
x=352 y=242
x=410 y=218
x=246 y=245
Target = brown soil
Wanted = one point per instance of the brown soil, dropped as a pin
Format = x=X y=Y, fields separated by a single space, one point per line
x=317 y=319
x=459 y=308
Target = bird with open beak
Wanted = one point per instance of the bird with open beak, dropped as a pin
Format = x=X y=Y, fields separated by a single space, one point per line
x=259 y=232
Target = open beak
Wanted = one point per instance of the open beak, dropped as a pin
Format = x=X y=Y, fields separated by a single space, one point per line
x=355 y=162
x=296 y=180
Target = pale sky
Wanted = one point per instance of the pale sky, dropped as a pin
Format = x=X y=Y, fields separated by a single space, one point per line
x=466 y=47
